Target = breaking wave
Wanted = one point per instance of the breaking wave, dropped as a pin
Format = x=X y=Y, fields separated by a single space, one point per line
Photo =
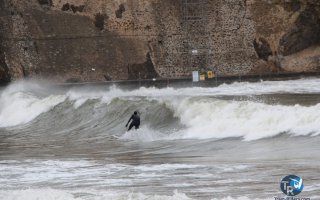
x=168 y=113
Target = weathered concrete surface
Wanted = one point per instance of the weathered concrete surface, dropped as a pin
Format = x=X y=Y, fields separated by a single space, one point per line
x=84 y=40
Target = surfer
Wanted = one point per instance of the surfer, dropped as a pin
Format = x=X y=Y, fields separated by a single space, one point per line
x=135 y=121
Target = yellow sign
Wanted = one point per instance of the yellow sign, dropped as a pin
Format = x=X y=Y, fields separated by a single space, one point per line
x=202 y=77
x=210 y=74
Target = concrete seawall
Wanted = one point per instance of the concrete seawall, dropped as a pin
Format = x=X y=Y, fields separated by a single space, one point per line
x=187 y=82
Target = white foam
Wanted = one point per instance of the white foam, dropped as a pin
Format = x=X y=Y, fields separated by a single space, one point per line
x=178 y=185
x=250 y=120
x=38 y=194
x=57 y=171
x=165 y=167
x=20 y=107
x=80 y=97
x=239 y=198
x=303 y=86
x=54 y=194
x=143 y=134
x=232 y=168
x=314 y=187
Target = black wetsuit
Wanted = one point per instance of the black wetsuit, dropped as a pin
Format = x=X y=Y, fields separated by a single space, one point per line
x=135 y=121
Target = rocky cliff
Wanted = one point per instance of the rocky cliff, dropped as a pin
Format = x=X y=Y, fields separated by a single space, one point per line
x=84 y=40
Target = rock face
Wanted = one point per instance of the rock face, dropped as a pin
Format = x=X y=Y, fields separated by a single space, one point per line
x=84 y=40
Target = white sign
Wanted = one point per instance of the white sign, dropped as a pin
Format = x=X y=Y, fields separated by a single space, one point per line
x=195 y=76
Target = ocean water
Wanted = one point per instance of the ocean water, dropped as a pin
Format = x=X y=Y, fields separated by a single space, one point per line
x=231 y=142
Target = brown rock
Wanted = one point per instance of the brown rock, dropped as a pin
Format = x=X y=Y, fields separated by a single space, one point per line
x=307 y=60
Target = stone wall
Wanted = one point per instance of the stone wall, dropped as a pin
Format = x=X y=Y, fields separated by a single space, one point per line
x=83 y=40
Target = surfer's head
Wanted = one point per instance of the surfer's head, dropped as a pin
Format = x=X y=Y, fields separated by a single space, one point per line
x=135 y=112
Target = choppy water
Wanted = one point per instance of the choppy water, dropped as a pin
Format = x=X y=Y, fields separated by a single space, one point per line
x=229 y=142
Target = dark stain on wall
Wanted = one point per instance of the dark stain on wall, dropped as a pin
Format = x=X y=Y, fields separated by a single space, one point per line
x=292 y=6
x=262 y=48
x=121 y=10
x=4 y=70
x=73 y=8
x=100 y=21
x=46 y=4
x=142 y=71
